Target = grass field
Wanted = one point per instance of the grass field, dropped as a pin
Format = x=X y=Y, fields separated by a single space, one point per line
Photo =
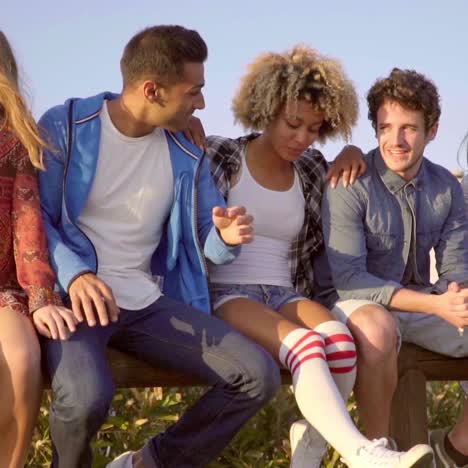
x=262 y=443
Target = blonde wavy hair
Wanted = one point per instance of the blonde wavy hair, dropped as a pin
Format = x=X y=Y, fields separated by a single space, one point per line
x=277 y=79
x=14 y=114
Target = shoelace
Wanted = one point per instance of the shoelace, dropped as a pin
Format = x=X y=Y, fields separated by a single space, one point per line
x=378 y=452
x=391 y=444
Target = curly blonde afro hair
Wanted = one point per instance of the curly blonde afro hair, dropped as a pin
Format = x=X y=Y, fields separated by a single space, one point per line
x=277 y=79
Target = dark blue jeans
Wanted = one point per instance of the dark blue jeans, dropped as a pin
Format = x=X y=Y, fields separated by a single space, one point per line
x=173 y=336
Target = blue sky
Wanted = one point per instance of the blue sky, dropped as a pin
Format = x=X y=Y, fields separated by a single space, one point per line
x=73 y=49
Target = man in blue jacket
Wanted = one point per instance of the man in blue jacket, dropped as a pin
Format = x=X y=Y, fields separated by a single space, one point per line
x=132 y=217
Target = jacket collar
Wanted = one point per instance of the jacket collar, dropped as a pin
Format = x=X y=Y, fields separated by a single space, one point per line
x=89 y=108
x=87 y=131
x=85 y=110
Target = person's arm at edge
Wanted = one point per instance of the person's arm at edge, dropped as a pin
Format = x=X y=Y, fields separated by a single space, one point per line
x=34 y=273
x=33 y=270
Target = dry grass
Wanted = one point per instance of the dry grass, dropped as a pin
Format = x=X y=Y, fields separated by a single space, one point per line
x=263 y=442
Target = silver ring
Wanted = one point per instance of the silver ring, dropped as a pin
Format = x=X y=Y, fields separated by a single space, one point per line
x=461 y=330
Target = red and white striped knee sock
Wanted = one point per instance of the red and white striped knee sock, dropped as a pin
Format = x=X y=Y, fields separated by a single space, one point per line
x=303 y=353
x=340 y=351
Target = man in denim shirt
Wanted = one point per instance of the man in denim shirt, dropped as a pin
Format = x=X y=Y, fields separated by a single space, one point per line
x=378 y=234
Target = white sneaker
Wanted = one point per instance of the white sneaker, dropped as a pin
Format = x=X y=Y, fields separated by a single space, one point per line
x=308 y=447
x=376 y=453
x=122 y=461
x=391 y=444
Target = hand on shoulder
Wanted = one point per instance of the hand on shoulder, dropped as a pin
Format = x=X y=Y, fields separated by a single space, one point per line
x=349 y=165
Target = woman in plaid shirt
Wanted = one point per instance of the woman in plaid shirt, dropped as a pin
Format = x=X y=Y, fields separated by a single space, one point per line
x=293 y=99
x=27 y=297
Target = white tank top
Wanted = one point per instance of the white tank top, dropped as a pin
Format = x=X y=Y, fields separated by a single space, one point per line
x=278 y=218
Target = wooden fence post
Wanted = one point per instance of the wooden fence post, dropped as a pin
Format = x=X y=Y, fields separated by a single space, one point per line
x=408 y=425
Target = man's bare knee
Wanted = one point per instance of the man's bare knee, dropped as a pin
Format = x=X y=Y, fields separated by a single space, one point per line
x=375 y=331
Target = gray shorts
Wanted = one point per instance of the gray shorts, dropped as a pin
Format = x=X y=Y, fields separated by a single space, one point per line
x=272 y=296
x=428 y=331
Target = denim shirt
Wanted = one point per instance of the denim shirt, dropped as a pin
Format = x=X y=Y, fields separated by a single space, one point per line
x=464 y=184
x=369 y=227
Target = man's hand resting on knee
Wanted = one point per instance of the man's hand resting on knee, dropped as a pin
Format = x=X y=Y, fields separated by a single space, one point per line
x=91 y=296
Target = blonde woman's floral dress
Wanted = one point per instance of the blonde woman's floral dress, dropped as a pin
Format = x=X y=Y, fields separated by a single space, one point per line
x=26 y=278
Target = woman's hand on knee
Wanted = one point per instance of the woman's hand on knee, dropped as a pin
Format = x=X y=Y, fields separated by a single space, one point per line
x=55 y=322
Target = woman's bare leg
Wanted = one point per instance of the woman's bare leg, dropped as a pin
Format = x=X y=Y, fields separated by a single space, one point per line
x=21 y=386
x=267 y=327
x=305 y=313
x=303 y=351
x=339 y=346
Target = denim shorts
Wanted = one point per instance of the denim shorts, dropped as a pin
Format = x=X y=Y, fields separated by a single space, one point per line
x=272 y=296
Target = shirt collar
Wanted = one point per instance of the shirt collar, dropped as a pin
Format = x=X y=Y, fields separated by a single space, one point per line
x=393 y=181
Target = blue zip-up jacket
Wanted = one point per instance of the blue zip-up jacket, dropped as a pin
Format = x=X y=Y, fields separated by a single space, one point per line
x=189 y=235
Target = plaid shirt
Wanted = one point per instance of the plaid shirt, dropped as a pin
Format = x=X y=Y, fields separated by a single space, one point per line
x=225 y=155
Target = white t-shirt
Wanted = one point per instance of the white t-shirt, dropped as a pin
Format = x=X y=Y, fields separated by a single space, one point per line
x=129 y=201
x=278 y=218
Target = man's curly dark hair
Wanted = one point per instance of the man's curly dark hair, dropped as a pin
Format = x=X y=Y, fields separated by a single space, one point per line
x=410 y=89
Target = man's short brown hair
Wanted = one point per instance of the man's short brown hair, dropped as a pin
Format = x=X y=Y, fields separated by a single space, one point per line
x=411 y=90
x=161 y=52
